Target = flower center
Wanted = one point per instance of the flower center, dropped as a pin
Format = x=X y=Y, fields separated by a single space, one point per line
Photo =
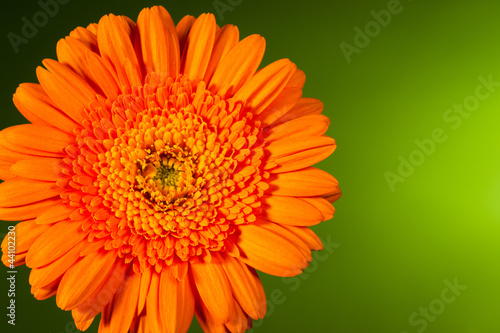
x=165 y=172
x=165 y=177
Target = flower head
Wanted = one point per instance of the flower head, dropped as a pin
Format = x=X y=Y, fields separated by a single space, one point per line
x=160 y=168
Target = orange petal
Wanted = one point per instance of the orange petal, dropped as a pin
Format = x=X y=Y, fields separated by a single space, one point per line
x=298 y=79
x=68 y=91
x=200 y=44
x=217 y=300
x=55 y=242
x=83 y=278
x=103 y=294
x=34 y=138
x=87 y=37
x=323 y=205
x=10 y=155
x=124 y=305
x=152 y=307
x=304 y=107
x=289 y=236
x=44 y=275
x=81 y=325
x=27 y=232
x=55 y=214
x=29 y=211
x=21 y=191
x=46 y=291
x=239 y=321
x=246 y=286
x=291 y=210
x=102 y=75
x=71 y=53
x=287 y=98
x=183 y=28
x=225 y=39
x=238 y=66
x=313 y=125
x=298 y=153
x=5 y=172
x=143 y=292
x=159 y=42
x=48 y=169
x=269 y=252
x=266 y=85
x=307 y=236
x=116 y=47
x=176 y=303
x=207 y=321
x=32 y=101
x=307 y=182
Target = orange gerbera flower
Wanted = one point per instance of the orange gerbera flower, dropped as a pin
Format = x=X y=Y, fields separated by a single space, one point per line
x=160 y=169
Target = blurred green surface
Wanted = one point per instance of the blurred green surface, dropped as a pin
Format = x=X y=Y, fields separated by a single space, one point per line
x=392 y=250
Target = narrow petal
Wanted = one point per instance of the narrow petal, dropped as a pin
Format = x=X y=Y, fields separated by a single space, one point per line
x=200 y=44
x=102 y=75
x=81 y=325
x=159 y=42
x=69 y=92
x=32 y=101
x=152 y=307
x=183 y=28
x=217 y=300
x=72 y=53
x=238 y=66
x=289 y=236
x=246 y=286
x=324 y=206
x=35 y=138
x=124 y=306
x=291 y=210
x=144 y=290
x=287 y=98
x=307 y=182
x=27 y=232
x=9 y=155
x=22 y=191
x=55 y=242
x=304 y=107
x=103 y=294
x=55 y=214
x=41 y=168
x=116 y=46
x=82 y=279
x=225 y=39
x=266 y=85
x=298 y=153
x=46 y=291
x=207 y=321
x=176 y=303
x=269 y=252
x=313 y=125
x=44 y=275
x=30 y=211
x=5 y=172
x=87 y=37
x=298 y=79
x=307 y=236
x=239 y=321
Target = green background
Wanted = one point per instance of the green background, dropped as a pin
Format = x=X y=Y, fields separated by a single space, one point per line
x=393 y=249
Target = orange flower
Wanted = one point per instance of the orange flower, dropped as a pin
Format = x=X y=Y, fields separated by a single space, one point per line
x=160 y=169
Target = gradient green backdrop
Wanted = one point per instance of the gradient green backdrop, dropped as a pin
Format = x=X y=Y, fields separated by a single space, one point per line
x=390 y=251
